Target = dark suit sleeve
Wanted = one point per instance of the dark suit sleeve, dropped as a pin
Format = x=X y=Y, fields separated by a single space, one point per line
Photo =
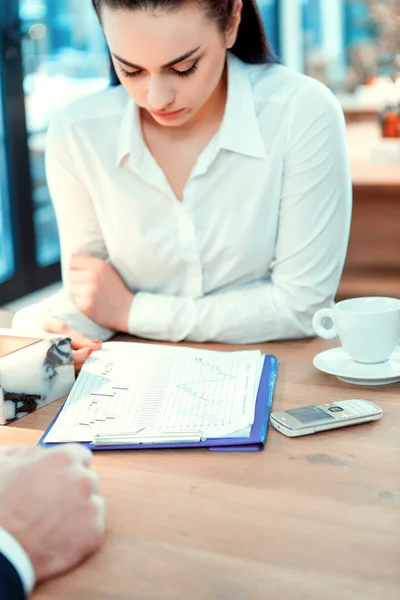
x=11 y=587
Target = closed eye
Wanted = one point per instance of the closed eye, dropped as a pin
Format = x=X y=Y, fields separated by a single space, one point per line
x=126 y=73
x=185 y=73
x=188 y=71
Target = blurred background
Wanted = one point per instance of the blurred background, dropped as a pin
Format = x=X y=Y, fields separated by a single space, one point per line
x=52 y=51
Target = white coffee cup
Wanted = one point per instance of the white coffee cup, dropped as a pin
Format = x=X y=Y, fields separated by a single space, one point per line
x=368 y=328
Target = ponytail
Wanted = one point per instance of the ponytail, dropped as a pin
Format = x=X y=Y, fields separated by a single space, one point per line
x=252 y=45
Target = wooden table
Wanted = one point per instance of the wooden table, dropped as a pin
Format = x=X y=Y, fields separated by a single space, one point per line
x=309 y=518
x=361 y=115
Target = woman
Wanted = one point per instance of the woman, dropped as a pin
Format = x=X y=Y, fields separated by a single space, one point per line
x=208 y=196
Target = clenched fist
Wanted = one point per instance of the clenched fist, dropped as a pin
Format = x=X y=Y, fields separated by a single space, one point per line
x=50 y=502
x=99 y=292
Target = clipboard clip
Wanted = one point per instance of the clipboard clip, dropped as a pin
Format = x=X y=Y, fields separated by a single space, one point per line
x=148 y=436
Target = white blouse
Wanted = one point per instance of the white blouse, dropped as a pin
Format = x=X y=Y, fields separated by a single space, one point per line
x=258 y=242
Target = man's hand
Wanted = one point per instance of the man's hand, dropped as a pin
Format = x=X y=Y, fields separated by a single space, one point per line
x=99 y=292
x=50 y=503
x=82 y=345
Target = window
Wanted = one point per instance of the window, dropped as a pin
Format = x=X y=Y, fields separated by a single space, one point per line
x=269 y=14
x=6 y=238
x=64 y=56
x=51 y=52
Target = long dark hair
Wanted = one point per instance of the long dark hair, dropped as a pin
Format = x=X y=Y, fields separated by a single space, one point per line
x=251 y=45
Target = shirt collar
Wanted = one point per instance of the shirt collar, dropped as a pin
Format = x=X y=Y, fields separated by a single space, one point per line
x=130 y=141
x=239 y=131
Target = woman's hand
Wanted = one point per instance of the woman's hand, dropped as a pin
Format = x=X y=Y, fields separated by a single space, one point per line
x=82 y=345
x=99 y=292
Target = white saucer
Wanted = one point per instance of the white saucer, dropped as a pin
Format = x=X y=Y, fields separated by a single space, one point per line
x=337 y=362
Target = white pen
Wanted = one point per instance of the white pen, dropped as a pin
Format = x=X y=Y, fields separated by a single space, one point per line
x=123 y=441
x=150 y=432
x=147 y=436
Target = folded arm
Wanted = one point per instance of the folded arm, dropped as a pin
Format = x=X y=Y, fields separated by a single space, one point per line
x=79 y=232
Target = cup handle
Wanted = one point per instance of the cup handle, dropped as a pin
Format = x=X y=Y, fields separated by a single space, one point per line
x=326 y=333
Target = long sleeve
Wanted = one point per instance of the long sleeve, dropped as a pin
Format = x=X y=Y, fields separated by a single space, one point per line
x=79 y=232
x=17 y=577
x=311 y=245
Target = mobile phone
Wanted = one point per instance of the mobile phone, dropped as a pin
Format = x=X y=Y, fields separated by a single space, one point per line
x=322 y=417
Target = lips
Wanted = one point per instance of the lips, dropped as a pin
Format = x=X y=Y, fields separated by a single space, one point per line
x=166 y=115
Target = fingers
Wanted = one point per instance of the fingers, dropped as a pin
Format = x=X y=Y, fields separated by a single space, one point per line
x=75 y=453
x=94 y=523
x=100 y=509
x=80 y=453
x=81 y=341
x=95 y=482
x=52 y=325
x=86 y=480
x=80 y=356
x=83 y=261
x=78 y=276
x=72 y=462
x=80 y=290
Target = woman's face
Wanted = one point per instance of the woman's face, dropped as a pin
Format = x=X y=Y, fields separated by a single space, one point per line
x=170 y=63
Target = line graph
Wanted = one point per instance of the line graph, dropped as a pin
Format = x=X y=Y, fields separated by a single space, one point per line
x=191 y=387
x=204 y=393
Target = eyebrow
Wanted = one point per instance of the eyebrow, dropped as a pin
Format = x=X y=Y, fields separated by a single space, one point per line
x=176 y=61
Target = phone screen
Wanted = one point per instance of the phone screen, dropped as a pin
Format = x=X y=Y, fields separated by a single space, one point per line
x=309 y=414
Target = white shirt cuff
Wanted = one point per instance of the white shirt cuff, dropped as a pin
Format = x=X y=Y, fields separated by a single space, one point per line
x=59 y=306
x=17 y=556
x=161 y=317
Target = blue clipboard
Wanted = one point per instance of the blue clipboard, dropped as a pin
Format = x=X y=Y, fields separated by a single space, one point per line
x=254 y=443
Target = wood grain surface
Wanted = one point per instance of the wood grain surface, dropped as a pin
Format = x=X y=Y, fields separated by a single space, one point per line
x=316 y=517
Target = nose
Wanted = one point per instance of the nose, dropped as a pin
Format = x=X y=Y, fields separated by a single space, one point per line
x=159 y=94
